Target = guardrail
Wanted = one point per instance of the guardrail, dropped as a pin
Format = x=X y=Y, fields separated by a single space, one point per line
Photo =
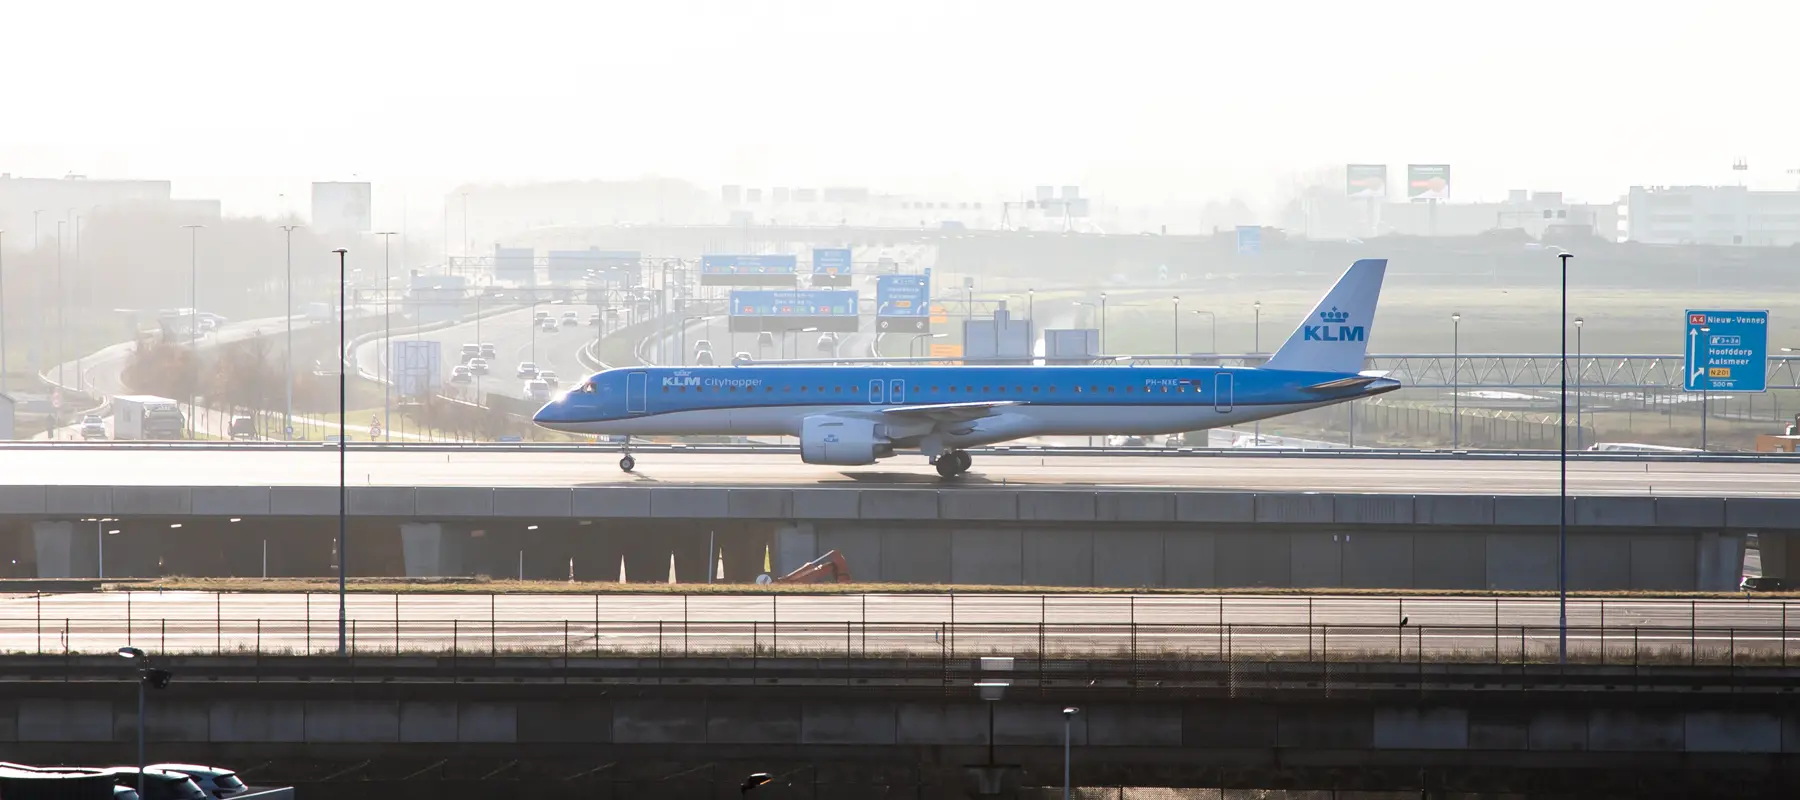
x=1029 y=451
x=1177 y=647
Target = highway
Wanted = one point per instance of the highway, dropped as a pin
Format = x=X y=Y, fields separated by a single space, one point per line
x=515 y=339
x=598 y=467
x=1195 y=625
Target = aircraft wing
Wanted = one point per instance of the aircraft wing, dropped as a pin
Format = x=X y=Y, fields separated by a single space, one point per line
x=1342 y=383
x=949 y=412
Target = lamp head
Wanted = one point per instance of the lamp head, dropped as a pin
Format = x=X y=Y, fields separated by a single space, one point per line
x=756 y=779
x=1070 y=711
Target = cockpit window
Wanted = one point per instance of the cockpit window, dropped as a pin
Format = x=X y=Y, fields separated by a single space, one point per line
x=587 y=388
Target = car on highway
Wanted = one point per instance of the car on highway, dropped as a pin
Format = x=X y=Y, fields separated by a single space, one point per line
x=93 y=427
x=741 y=358
x=470 y=351
x=765 y=339
x=1762 y=584
x=570 y=319
x=461 y=374
x=479 y=366
x=528 y=370
x=243 y=428
x=540 y=316
x=828 y=343
x=594 y=320
x=548 y=324
x=538 y=390
x=703 y=359
x=702 y=346
x=489 y=351
x=549 y=377
x=214 y=781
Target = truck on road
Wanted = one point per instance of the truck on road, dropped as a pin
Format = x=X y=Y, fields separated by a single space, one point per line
x=147 y=417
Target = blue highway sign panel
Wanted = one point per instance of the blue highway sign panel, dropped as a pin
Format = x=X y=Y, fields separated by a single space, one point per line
x=1727 y=351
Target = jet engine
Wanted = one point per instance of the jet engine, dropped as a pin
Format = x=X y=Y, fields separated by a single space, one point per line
x=843 y=441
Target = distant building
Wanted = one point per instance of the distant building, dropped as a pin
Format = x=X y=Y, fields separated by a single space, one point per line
x=339 y=207
x=1538 y=214
x=1719 y=215
x=55 y=197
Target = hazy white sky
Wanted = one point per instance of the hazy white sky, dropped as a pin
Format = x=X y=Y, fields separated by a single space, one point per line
x=1141 y=101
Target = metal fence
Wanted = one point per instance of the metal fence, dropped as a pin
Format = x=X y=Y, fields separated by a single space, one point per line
x=1300 y=642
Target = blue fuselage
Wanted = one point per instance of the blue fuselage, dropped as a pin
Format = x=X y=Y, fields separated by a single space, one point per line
x=1040 y=400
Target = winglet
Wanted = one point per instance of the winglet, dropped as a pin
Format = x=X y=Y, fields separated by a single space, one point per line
x=1335 y=336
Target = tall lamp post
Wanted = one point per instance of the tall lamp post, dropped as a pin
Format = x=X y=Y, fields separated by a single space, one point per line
x=1068 y=715
x=1256 y=346
x=343 y=553
x=1705 y=402
x=1177 y=317
x=59 y=303
x=148 y=677
x=387 y=342
x=1102 y=323
x=1455 y=380
x=287 y=358
x=100 y=543
x=1562 y=471
x=2 y=310
x=193 y=308
x=1580 y=435
x=919 y=337
x=1212 y=335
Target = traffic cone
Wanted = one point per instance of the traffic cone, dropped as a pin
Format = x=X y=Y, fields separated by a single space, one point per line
x=766 y=569
x=622 y=569
x=671 y=568
x=719 y=574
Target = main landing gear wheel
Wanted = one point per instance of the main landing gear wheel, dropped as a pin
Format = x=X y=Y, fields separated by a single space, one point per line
x=628 y=463
x=953 y=463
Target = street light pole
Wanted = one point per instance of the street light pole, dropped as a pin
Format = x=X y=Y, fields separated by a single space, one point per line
x=1068 y=716
x=343 y=552
x=193 y=309
x=1103 y=323
x=2 y=310
x=287 y=358
x=1455 y=380
x=59 y=303
x=1212 y=335
x=387 y=341
x=1562 y=464
x=1177 y=318
x=1580 y=436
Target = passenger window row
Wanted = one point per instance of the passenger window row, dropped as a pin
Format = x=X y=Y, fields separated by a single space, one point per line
x=1179 y=389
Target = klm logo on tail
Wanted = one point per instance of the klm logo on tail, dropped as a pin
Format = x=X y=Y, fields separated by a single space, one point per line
x=1336 y=330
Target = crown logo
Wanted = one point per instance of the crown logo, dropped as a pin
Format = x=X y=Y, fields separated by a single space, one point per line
x=1334 y=315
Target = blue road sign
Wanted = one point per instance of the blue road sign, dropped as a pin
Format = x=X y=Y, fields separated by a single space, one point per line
x=825 y=309
x=1249 y=240
x=831 y=261
x=903 y=303
x=1727 y=351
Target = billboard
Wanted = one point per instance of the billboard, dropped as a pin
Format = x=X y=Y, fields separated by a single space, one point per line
x=748 y=270
x=903 y=303
x=831 y=266
x=339 y=207
x=1428 y=182
x=756 y=310
x=1367 y=181
x=515 y=265
x=415 y=367
x=614 y=267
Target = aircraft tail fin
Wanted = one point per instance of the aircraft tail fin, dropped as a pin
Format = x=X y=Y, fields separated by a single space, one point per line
x=1335 y=336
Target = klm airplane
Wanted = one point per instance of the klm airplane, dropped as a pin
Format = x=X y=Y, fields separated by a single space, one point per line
x=856 y=415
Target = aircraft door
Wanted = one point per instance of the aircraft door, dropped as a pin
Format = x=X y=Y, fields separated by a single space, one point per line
x=875 y=395
x=637 y=393
x=1222 y=392
x=896 y=391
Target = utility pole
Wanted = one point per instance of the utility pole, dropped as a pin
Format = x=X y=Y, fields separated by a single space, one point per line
x=287 y=359
x=387 y=342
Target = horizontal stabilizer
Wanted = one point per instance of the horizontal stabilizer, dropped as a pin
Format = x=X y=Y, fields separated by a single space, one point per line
x=1342 y=383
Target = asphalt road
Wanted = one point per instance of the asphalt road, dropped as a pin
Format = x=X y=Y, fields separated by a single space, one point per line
x=1199 y=626
x=515 y=339
x=597 y=467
